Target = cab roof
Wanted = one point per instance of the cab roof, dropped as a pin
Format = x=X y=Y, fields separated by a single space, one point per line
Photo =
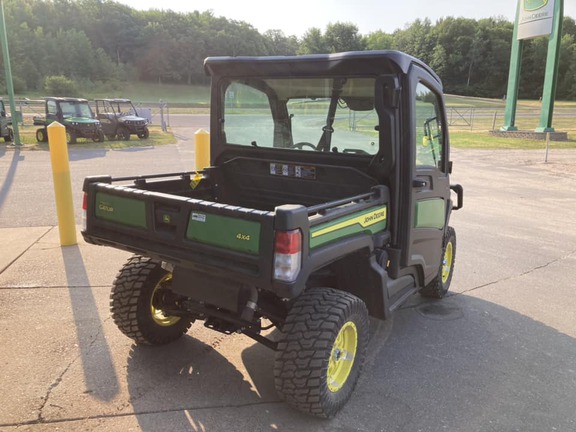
x=65 y=99
x=115 y=100
x=347 y=63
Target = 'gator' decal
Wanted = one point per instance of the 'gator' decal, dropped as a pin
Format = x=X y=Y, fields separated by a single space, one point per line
x=122 y=210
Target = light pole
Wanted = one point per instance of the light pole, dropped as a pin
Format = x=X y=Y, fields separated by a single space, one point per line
x=8 y=72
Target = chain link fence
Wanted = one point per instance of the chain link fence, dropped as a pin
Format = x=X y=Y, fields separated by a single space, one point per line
x=488 y=119
x=459 y=118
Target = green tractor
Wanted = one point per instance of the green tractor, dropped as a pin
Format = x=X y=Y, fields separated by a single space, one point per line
x=6 y=131
x=120 y=119
x=73 y=113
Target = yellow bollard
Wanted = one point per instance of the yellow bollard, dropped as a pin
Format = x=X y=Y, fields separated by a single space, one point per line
x=62 y=183
x=202 y=146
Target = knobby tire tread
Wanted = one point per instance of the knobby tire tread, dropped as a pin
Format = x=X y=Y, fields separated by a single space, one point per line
x=130 y=316
x=302 y=358
x=436 y=288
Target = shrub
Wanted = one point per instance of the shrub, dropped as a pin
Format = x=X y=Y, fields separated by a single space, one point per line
x=59 y=85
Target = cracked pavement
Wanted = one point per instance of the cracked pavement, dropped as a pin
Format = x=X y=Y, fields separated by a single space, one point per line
x=498 y=354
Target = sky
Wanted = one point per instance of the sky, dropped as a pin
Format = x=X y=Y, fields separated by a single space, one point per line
x=295 y=17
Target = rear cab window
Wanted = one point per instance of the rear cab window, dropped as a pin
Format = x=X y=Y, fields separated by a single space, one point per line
x=302 y=114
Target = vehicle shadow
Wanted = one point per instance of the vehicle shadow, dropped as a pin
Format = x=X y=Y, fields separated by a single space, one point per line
x=79 y=153
x=97 y=364
x=461 y=364
x=181 y=379
x=8 y=179
x=134 y=148
x=76 y=154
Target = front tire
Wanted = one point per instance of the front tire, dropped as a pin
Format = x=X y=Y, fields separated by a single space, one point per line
x=320 y=358
x=144 y=134
x=439 y=286
x=71 y=137
x=135 y=303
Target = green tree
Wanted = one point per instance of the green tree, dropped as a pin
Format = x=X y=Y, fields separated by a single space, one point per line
x=457 y=36
x=113 y=27
x=417 y=40
x=279 y=44
x=102 y=41
x=379 y=40
x=567 y=68
x=533 y=68
x=340 y=37
x=313 y=42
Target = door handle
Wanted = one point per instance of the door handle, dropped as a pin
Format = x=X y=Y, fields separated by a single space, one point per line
x=418 y=183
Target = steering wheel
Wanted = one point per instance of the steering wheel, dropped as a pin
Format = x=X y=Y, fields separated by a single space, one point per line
x=302 y=144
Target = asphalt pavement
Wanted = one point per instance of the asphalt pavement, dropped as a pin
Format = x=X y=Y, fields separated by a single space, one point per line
x=498 y=354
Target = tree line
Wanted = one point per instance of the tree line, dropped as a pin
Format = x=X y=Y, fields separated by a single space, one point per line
x=102 y=42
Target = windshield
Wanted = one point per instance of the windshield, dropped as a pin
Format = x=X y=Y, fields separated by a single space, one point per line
x=311 y=114
x=76 y=109
x=124 y=108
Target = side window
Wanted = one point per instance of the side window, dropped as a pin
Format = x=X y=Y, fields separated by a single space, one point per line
x=247 y=116
x=51 y=106
x=429 y=138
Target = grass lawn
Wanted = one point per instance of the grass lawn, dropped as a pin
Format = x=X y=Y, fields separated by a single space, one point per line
x=472 y=102
x=483 y=140
x=174 y=94
x=463 y=140
x=157 y=137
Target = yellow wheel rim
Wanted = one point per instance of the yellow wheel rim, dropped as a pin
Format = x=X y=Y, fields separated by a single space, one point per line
x=157 y=314
x=342 y=356
x=447 y=262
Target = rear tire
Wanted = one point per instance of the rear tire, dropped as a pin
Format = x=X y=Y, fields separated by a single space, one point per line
x=41 y=135
x=320 y=357
x=99 y=137
x=10 y=136
x=123 y=134
x=439 y=286
x=134 y=303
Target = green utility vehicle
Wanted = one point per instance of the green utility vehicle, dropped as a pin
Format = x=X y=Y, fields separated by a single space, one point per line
x=73 y=113
x=120 y=119
x=6 y=131
x=327 y=201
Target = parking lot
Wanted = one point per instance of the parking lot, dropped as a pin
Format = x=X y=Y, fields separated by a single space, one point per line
x=499 y=354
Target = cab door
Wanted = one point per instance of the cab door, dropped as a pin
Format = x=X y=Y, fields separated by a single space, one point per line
x=430 y=185
x=52 y=111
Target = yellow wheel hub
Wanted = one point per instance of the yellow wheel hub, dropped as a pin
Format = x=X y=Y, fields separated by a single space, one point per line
x=342 y=356
x=447 y=262
x=157 y=314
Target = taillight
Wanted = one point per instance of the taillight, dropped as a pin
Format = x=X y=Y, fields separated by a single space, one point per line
x=287 y=255
x=84 y=208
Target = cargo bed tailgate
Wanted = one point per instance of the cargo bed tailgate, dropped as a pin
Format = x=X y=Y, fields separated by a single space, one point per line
x=178 y=229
